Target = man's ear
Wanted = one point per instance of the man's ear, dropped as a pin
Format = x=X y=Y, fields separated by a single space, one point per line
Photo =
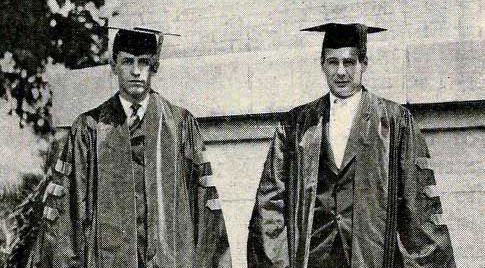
x=154 y=66
x=156 y=63
x=364 y=64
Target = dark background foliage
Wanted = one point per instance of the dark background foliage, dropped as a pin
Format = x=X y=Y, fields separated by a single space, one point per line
x=33 y=35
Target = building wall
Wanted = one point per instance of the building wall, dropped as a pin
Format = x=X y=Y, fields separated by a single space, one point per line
x=455 y=136
x=237 y=148
x=253 y=50
x=248 y=57
x=459 y=169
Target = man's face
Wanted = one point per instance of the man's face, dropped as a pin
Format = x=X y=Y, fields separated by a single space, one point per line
x=343 y=71
x=134 y=75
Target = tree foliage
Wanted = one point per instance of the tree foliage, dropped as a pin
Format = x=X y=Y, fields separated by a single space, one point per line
x=34 y=35
x=37 y=33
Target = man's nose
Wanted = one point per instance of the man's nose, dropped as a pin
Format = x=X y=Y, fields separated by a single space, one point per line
x=341 y=71
x=135 y=71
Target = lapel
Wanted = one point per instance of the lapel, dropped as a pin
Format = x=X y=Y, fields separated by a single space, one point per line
x=310 y=152
x=114 y=126
x=365 y=116
x=371 y=181
x=315 y=125
x=326 y=147
x=360 y=126
x=166 y=183
x=309 y=146
x=116 y=195
x=152 y=121
x=114 y=149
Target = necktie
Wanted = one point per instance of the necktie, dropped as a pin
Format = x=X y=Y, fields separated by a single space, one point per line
x=134 y=120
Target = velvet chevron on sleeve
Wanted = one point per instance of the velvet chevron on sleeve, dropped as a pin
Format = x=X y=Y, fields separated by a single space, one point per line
x=90 y=210
x=393 y=205
x=424 y=237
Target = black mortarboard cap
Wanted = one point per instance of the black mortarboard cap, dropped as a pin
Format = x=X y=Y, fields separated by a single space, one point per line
x=134 y=42
x=345 y=35
x=137 y=41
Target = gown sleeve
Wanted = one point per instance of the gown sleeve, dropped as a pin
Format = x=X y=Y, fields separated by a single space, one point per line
x=60 y=242
x=424 y=240
x=210 y=229
x=267 y=239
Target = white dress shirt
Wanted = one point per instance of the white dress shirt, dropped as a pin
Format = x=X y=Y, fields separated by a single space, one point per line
x=127 y=107
x=342 y=113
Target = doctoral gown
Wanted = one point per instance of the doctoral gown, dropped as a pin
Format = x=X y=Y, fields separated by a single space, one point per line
x=90 y=213
x=396 y=216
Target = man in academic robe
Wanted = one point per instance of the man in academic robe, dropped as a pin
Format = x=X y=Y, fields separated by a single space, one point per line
x=348 y=182
x=133 y=187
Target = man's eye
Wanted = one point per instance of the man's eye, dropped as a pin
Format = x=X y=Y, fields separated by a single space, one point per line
x=349 y=62
x=127 y=61
x=332 y=62
x=144 y=62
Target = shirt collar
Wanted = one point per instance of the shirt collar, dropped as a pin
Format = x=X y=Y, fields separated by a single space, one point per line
x=352 y=100
x=127 y=106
